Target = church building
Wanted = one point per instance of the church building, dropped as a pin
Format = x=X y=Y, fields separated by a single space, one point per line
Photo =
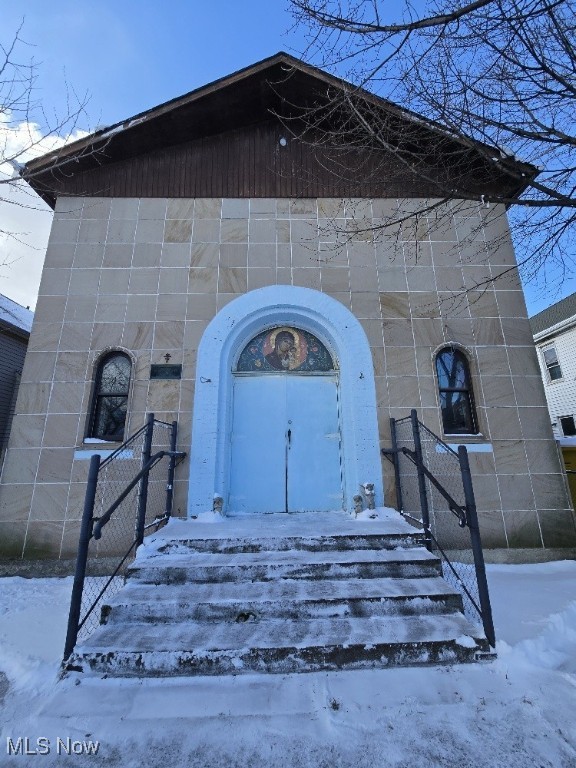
x=223 y=261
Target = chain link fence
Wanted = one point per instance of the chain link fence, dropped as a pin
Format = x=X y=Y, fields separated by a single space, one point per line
x=140 y=500
x=430 y=479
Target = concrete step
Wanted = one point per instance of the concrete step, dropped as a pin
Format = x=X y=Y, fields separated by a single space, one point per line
x=284 y=599
x=204 y=567
x=280 y=593
x=279 y=646
x=312 y=531
x=292 y=543
x=331 y=543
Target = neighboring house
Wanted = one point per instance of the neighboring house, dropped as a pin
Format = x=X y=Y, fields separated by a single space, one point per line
x=15 y=325
x=554 y=332
x=276 y=278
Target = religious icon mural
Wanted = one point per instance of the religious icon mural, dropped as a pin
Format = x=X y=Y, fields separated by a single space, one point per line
x=285 y=349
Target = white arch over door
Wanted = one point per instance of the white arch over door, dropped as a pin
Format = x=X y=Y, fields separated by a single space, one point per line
x=225 y=337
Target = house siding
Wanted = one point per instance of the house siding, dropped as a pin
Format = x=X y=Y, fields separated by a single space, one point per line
x=12 y=354
x=560 y=394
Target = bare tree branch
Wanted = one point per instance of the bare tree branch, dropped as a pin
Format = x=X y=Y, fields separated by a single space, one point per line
x=500 y=74
x=27 y=129
x=349 y=24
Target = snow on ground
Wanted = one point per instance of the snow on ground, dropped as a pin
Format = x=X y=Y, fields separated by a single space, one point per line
x=515 y=712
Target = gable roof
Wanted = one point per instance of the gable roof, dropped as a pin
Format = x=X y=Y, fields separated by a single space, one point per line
x=280 y=86
x=563 y=310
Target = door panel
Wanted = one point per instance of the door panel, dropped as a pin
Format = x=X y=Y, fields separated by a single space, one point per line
x=314 y=475
x=258 y=445
x=285 y=444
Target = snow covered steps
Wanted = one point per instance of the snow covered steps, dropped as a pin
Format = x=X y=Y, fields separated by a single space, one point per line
x=294 y=599
x=248 y=595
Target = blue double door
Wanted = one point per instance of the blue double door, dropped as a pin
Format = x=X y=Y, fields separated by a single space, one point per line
x=285 y=444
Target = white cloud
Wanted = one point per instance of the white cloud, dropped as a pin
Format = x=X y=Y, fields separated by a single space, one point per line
x=25 y=219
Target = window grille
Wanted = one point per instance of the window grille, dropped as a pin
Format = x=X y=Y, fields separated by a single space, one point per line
x=110 y=398
x=455 y=390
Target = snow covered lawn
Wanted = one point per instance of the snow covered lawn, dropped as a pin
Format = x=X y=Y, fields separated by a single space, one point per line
x=516 y=712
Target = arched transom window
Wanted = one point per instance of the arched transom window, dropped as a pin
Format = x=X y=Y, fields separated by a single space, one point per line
x=285 y=349
x=110 y=399
x=456 y=396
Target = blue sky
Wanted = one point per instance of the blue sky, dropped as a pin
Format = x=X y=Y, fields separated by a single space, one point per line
x=128 y=56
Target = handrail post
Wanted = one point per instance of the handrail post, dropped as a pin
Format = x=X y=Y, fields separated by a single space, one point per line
x=472 y=519
x=396 y=457
x=82 y=557
x=143 y=493
x=421 y=480
x=171 y=468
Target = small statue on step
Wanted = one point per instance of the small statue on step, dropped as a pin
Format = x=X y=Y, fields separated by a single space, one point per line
x=358 y=506
x=368 y=490
x=217 y=504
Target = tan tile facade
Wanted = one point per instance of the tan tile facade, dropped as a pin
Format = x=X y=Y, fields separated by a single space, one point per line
x=146 y=276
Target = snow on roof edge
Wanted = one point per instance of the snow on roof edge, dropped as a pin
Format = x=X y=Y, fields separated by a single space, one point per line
x=15 y=314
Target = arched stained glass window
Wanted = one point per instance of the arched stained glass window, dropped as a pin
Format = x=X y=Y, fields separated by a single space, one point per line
x=285 y=349
x=456 y=395
x=110 y=399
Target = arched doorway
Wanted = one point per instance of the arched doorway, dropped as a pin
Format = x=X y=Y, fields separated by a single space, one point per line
x=285 y=440
x=222 y=343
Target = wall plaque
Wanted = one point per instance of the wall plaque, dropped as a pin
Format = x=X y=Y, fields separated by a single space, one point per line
x=161 y=371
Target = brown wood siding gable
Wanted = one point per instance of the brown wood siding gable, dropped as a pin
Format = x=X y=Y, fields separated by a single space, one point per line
x=251 y=162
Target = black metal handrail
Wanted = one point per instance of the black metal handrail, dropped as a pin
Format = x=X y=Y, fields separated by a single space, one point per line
x=152 y=461
x=466 y=513
x=92 y=526
x=455 y=508
x=453 y=570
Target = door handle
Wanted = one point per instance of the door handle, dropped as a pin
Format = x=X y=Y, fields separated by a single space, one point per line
x=289 y=436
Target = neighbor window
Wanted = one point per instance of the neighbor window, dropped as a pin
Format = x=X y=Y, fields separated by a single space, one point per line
x=110 y=399
x=456 y=396
x=552 y=364
x=568 y=426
